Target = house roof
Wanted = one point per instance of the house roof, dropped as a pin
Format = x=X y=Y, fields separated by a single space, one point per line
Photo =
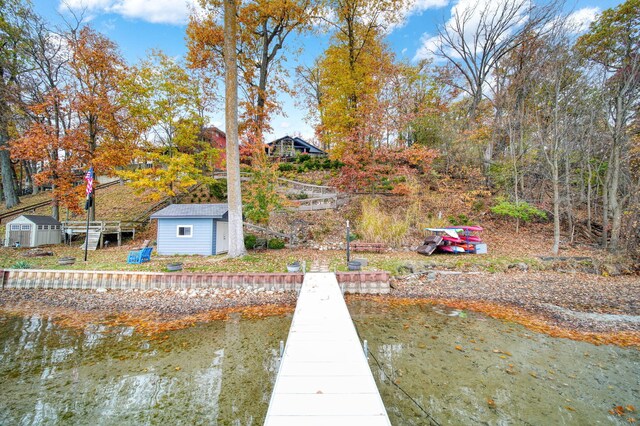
x=300 y=143
x=213 y=211
x=41 y=220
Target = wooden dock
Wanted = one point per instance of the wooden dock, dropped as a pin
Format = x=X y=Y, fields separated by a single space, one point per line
x=324 y=377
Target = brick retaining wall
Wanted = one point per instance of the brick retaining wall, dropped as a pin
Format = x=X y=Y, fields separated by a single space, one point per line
x=352 y=282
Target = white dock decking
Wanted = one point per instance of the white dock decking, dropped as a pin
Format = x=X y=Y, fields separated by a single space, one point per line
x=324 y=377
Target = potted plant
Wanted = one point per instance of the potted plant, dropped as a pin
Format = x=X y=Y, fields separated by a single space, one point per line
x=175 y=266
x=354 y=265
x=293 y=266
x=66 y=261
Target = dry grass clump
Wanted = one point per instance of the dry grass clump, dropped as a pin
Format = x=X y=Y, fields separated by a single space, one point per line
x=379 y=227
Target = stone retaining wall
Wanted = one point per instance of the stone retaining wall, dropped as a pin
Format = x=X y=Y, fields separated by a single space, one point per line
x=352 y=282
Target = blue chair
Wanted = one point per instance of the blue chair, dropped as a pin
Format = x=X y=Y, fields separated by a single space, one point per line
x=140 y=256
x=146 y=254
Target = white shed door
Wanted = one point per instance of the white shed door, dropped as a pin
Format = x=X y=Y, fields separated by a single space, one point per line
x=222 y=237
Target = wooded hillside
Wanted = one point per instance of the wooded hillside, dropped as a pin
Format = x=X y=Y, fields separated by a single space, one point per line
x=516 y=98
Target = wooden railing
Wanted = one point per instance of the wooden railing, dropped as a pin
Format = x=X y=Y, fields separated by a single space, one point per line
x=320 y=203
x=80 y=227
x=307 y=187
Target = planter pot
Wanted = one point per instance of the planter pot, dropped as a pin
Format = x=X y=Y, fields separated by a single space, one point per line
x=293 y=267
x=354 y=265
x=66 y=261
x=172 y=267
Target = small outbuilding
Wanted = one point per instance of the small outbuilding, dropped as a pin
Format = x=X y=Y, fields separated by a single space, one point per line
x=32 y=231
x=193 y=229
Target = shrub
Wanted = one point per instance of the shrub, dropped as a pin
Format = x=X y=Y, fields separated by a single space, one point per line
x=286 y=167
x=219 y=189
x=522 y=210
x=250 y=241
x=275 y=243
x=460 y=220
x=21 y=264
x=303 y=158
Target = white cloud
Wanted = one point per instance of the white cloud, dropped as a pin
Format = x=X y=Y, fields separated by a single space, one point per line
x=415 y=8
x=428 y=45
x=580 y=20
x=285 y=125
x=422 y=5
x=175 y=12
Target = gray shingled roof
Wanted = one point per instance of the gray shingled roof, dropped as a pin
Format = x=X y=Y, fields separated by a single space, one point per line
x=41 y=220
x=214 y=211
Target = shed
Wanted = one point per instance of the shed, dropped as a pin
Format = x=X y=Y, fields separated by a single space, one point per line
x=193 y=229
x=32 y=230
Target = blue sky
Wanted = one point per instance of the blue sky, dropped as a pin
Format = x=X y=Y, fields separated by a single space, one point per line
x=140 y=25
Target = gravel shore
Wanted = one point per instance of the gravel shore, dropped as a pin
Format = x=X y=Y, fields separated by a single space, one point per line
x=165 y=304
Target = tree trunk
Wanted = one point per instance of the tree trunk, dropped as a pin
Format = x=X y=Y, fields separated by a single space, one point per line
x=8 y=187
x=568 y=200
x=556 y=207
x=605 y=204
x=614 y=202
x=234 y=193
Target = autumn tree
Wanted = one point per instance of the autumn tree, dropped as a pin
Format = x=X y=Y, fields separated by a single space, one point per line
x=168 y=104
x=613 y=42
x=98 y=71
x=55 y=147
x=263 y=29
x=353 y=70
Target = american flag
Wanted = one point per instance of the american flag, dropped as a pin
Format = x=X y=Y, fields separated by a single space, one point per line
x=89 y=178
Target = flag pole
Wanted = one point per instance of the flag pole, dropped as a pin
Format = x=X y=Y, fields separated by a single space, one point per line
x=89 y=178
x=86 y=240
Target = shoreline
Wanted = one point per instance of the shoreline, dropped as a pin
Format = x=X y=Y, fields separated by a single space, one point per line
x=598 y=310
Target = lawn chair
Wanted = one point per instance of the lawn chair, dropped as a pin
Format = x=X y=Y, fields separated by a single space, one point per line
x=140 y=256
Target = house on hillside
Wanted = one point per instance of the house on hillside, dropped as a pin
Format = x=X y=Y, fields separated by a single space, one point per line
x=287 y=147
x=218 y=139
x=193 y=229
x=32 y=231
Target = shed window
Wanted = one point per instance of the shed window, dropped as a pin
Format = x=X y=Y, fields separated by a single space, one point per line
x=184 y=231
x=40 y=226
x=26 y=227
x=15 y=227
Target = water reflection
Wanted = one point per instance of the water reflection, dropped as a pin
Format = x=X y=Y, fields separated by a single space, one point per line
x=217 y=373
x=465 y=368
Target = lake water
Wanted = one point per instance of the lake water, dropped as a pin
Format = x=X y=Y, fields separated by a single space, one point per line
x=457 y=368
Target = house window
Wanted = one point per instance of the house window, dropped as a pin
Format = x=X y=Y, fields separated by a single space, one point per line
x=184 y=231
